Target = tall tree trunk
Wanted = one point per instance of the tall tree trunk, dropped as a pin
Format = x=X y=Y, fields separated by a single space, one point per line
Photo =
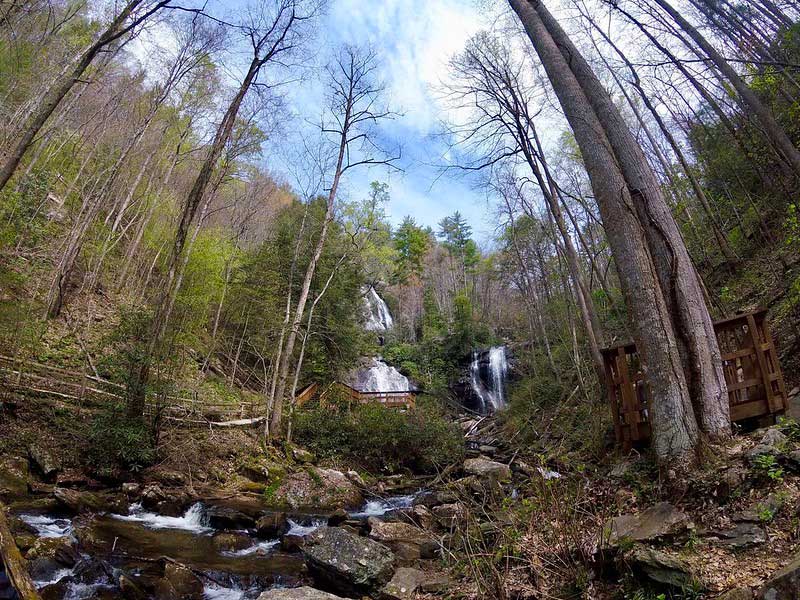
x=679 y=282
x=675 y=432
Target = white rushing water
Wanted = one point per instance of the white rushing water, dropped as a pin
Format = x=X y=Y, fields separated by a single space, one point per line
x=379 y=507
x=380 y=377
x=193 y=519
x=257 y=548
x=48 y=527
x=378 y=317
x=489 y=384
x=302 y=529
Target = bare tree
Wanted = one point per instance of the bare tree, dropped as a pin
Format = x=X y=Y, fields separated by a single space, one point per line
x=354 y=110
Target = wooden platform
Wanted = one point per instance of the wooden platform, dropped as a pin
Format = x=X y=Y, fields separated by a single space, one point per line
x=752 y=373
x=399 y=400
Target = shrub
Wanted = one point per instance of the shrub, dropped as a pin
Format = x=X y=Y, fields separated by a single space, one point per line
x=119 y=441
x=381 y=439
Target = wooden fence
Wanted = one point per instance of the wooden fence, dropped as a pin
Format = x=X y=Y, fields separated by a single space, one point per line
x=401 y=400
x=750 y=363
x=89 y=391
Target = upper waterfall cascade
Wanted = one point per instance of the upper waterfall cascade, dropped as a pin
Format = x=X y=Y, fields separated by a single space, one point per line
x=377 y=312
x=488 y=378
x=380 y=377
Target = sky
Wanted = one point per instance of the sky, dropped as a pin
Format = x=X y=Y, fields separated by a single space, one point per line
x=414 y=40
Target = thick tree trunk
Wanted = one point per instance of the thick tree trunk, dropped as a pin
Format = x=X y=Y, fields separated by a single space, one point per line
x=675 y=432
x=678 y=279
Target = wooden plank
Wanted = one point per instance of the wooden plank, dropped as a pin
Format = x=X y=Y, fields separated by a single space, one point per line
x=747 y=383
x=772 y=405
x=748 y=410
x=776 y=364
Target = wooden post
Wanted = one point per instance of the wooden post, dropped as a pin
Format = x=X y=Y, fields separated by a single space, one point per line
x=14 y=563
x=762 y=362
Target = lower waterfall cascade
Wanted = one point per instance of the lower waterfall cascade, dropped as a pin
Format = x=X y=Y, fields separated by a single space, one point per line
x=488 y=378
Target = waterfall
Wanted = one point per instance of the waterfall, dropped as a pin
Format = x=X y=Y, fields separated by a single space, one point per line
x=488 y=378
x=380 y=377
x=378 y=317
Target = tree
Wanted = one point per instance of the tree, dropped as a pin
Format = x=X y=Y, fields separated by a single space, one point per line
x=675 y=430
x=131 y=16
x=354 y=111
x=411 y=242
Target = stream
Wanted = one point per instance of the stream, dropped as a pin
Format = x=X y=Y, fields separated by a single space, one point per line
x=132 y=545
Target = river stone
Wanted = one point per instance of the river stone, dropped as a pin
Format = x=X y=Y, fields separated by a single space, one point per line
x=231 y=541
x=272 y=525
x=659 y=521
x=59 y=549
x=660 y=567
x=14 y=477
x=317 y=488
x=783 y=585
x=347 y=563
x=226 y=517
x=79 y=502
x=404 y=584
x=301 y=593
x=434 y=498
x=450 y=514
x=47 y=464
x=407 y=542
x=179 y=583
x=487 y=469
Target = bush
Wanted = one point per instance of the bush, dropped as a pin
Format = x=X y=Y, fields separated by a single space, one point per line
x=381 y=439
x=119 y=441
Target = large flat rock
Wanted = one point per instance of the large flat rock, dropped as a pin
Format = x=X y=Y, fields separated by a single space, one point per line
x=657 y=522
x=347 y=563
x=301 y=593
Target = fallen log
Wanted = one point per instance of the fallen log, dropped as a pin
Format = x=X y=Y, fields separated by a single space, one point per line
x=14 y=564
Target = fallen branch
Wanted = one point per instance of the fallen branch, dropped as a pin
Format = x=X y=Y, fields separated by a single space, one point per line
x=14 y=563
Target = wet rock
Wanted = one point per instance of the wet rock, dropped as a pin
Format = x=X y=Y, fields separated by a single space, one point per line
x=292 y=542
x=152 y=495
x=347 y=563
x=660 y=567
x=301 y=593
x=403 y=585
x=423 y=517
x=44 y=568
x=178 y=583
x=272 y=525
x=92 y=570
x=79 y=502
x=406 y=541
x=430 y=499
x=226 y=517
x=321 y=489
x=487 y=469
x=356 y=479
x=303 y=456
x=129 y=589
x=337 y=517
x=783 y=585
x=72 y=478
x=231 y=541
x=657 y=522
x=743 y=535
x=45 y=462
x=59 y=549
x=131 y=488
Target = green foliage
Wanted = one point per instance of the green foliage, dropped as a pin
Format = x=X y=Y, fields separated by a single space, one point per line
x=23 y=211
x=381 y=439
x=767 y=466
x=116 y=440
x=411 y=243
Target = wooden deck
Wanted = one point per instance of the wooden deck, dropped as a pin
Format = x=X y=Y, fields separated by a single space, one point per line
x=399 y=400
x=750 y=363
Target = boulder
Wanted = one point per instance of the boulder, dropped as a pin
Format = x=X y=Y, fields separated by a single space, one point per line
x=292 y=542
x=226 y=517
x=356 y=479
x=337 y=517
x=231 y=541
x=408 y=542
x=743 y=535
x=79 y=502
x=774 y=437
x=129 y=589
x=423 y=517
x=450 y=515
x=660 y=567
x=430 y=499
x=130 y=488
x=487 y=469
x=59 y=549
x=301 y=593
x=14 y=476
x=317 y=488
x=45 y=462
x=347 y=563
x=403 y=585
x=783 y=585
x=178 y=583
x=272 y=525
x=657 y=522
x=303 y=456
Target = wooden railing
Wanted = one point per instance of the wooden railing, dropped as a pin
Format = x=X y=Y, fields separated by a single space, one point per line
x=750 y=364
x=401 y=399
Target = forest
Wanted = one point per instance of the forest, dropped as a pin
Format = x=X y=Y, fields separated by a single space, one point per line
x=318 y=299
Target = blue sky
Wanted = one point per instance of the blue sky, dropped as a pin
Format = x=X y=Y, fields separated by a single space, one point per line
x=414 y=40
